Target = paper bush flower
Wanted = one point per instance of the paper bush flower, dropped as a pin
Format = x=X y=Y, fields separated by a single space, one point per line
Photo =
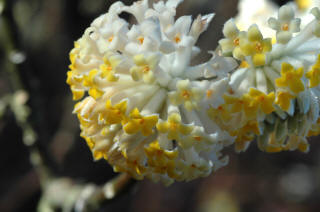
x=142 y=106
x=145 y=109
x=274 y=95
x=285 y=25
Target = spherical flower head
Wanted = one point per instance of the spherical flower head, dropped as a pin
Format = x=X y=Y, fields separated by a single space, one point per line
x=142 y=106
x=274 y=93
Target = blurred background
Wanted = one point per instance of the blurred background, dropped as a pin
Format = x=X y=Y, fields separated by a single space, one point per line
x=41 y=146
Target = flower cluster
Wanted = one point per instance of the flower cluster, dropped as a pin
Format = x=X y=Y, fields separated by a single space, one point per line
x=275 y=91
x=145 y=109
x=142 y=105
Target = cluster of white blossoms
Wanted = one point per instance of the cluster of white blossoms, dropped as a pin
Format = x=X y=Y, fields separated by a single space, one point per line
x=275 y=92
x=149 y=112
x=145 y=111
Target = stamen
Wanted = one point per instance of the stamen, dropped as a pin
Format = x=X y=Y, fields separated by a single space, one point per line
x=209 y=93
x=141 y=121
x=236 y=42
x=141 y=39
x=146 y=69
x=110 y=39
x=285 y=27
x=186 y=94
x=177 y=38
x=173 y=126
x=197 y=138
x=230 y=91
x=259 y=47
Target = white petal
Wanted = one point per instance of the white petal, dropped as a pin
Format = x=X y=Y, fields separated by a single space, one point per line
x=261 y=81
x=304 y=99
x=314 y=107
x=274 y=24
x=286 y=13
x=230 y=29
x=200 y=25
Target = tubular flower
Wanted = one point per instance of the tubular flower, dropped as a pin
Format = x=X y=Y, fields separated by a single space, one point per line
x=285 y=25
x=255 y=46
x=142 y=106
x=231 y=44
x=144 y=68
x=276 y=89
x=185 y=95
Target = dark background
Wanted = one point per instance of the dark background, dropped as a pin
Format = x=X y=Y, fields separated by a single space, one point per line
x=43 y=32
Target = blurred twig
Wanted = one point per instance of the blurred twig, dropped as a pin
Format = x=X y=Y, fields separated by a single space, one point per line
x=65 y=194
x=19 y=96
x=70 y=195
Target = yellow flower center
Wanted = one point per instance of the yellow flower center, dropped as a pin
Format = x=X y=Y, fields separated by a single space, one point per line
x=209 y=93
x=146 y=69
x=159 y=152
x=236 y=42
x=177 y=38
x=173 y=126
x=141 y=40
x=285 y=27
x=110 y=39
x=230 y=91
x=289 y=76
x=261 y=98
x=197 y=138
x=244 y=64
x=186 y=94
x=259 y=47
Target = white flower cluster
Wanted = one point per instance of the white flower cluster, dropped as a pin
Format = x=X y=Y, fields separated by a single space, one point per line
x=146 y=108
x=275 y=91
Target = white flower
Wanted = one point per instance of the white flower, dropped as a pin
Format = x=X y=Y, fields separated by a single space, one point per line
x=275 y=95
x=285 y=25
x=230 y=45
x=142 y=97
